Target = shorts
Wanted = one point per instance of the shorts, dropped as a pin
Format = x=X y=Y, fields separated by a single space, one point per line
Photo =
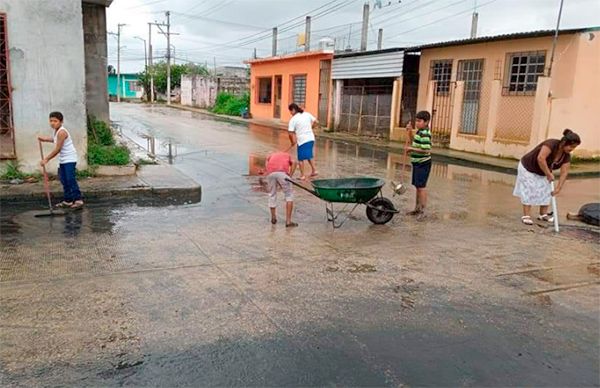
x=275 y=179
x=305 y=151
x=420 y=174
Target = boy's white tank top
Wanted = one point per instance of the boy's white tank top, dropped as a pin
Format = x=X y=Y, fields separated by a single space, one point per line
x=68 y=153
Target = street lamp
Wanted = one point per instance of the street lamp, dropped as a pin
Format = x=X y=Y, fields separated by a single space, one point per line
x=145 y=53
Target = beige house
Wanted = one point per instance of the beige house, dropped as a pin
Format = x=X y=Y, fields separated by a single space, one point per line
x=501 y=95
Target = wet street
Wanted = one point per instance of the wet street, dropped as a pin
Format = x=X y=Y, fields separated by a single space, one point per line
x=213 y=294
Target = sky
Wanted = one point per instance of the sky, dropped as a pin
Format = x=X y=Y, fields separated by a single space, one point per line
x=226 y=32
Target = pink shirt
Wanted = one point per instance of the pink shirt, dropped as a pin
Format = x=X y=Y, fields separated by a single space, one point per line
x=279 y=162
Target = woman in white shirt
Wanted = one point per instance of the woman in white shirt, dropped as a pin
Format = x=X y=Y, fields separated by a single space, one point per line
x=300 y=130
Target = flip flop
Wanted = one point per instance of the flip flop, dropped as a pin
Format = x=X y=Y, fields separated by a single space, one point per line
x=64 y=205
x=316 y=173
x=273 y=221
x=76 y=205
x=291 y=225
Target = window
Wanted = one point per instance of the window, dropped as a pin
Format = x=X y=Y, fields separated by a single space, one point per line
x=441 y=73
x=523 y=70
x=299 y=89
x=134 y=86
x=7 y=143
x=264 y=90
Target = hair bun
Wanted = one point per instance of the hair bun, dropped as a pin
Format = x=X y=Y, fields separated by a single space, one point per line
x=567 y=132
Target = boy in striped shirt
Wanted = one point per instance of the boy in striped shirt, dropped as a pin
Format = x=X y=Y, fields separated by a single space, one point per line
x=420 y=158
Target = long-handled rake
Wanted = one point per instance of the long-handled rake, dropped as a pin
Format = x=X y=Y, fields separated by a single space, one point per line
x=51 y=211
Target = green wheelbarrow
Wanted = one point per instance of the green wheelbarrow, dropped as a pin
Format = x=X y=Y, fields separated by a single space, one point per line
x=358 y=191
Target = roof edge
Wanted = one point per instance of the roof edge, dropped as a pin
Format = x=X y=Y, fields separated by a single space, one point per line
x=301 y=54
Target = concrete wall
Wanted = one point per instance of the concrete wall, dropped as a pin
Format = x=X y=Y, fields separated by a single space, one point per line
x=94 y=30
x=47 y=72
x=569 y=99
x=201 y=91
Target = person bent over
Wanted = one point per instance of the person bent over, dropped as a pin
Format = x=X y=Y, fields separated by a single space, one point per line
x=279 y=168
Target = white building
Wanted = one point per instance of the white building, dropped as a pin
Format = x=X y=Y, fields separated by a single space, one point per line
x=52 y=58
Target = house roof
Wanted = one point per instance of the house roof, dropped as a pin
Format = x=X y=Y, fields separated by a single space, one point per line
x=495 y=38
x=363 y=53
x=303 y=54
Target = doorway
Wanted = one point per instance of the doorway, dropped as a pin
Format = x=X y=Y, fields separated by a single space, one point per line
x=277 y=97
x=324 y=82
x=470 y=72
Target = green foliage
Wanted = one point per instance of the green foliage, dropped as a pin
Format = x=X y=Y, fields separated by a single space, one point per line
x=13 y=171
x=159 y=70
x=229 y=104
x=108 y=155
x=102 y=148
x=89 y=173
x=99 y=132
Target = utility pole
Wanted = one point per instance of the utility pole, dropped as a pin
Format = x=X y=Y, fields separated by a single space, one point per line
x=474 y=20
x=168 y=35
x=307 y=35
x=274 y=48
x=254 y=54
x=150 y=63
x=365 y=28
x=145 y=52
x=555 y=40
x=215 y=65
x=168 y=14
x=380 y=39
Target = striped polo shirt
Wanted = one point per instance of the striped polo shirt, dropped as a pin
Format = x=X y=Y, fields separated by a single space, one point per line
x=422 y=141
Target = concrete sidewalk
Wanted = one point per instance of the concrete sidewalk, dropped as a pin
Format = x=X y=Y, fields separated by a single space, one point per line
x=151 y=183
x=507 y=165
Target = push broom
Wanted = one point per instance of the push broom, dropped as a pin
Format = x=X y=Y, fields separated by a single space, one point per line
x=51 y=211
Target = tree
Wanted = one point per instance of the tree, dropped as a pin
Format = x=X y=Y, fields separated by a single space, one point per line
x=159 y=70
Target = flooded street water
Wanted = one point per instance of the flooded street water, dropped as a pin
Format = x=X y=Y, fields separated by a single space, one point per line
x=213 y=294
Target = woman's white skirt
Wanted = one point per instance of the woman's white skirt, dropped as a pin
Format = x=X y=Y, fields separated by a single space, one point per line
x=533 y=189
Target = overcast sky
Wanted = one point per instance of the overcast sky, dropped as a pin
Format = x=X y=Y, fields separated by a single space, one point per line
x=227 y=31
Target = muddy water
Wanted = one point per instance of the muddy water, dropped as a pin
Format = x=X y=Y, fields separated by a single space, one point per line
x=213 y=294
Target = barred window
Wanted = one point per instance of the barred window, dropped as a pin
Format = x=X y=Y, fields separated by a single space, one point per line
x=523 y=70
x=441 y=73
x=299 y=89
x=264 y=90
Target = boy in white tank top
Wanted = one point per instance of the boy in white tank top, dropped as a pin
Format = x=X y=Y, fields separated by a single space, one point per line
x=67 y=161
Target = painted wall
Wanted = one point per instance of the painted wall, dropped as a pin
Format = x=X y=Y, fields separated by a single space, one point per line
x=573 y=87
x=127 y=89
x=288 y=66
x=94 y=30
x=47 y=72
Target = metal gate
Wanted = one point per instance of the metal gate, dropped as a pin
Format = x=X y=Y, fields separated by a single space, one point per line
x=470 y=71
x=365 y=110
x=324 y=81
x=408 y=107
x=7 y=140
x=441 y=115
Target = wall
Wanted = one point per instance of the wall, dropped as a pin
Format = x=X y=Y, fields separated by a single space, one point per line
x=47 y=72
x=286 y=67
x=95 y=48
x=201 y=91
x=574 y=84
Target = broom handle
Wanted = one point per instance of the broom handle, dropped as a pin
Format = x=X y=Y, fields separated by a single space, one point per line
x=46 y=182
x=554 y=209
x=404 y=156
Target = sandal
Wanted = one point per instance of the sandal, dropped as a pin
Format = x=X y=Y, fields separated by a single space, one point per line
x=526 y=220
x=291 y=225
x=546 y=217
x=415 y=212
x=76 y=205
x=315 y=173
x=63 y=205
x=273 y=221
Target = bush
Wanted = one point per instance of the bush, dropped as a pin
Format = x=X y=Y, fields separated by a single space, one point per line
x=229 y=104
x=99 y=132
x=13 y=171
x=113 y=155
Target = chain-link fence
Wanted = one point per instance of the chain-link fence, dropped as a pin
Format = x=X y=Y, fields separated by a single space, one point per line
x=365 y=110
x=515 y=118
x=474 y=110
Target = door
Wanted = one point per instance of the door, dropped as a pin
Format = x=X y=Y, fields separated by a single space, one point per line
x=324 y=82
x=277 y=105
x=470 y=71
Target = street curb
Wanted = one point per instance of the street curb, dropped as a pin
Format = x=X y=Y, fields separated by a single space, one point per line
x=464 y=160
x=170 y=196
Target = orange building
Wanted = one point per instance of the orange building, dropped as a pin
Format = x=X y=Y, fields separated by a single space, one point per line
x=303 y=78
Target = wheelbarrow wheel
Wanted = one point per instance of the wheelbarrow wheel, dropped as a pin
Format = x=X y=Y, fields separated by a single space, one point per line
x=380 y=211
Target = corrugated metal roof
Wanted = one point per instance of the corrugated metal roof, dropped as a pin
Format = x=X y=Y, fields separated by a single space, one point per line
x=493 y=38
x=368 y=65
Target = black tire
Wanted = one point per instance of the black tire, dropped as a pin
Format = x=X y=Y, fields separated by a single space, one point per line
x=380 y=217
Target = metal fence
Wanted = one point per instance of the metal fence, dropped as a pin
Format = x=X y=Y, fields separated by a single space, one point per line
x=441 y=114
x=365 y=110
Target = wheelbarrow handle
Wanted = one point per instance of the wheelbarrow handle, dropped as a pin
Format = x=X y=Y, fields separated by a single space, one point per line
x=313 y=192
